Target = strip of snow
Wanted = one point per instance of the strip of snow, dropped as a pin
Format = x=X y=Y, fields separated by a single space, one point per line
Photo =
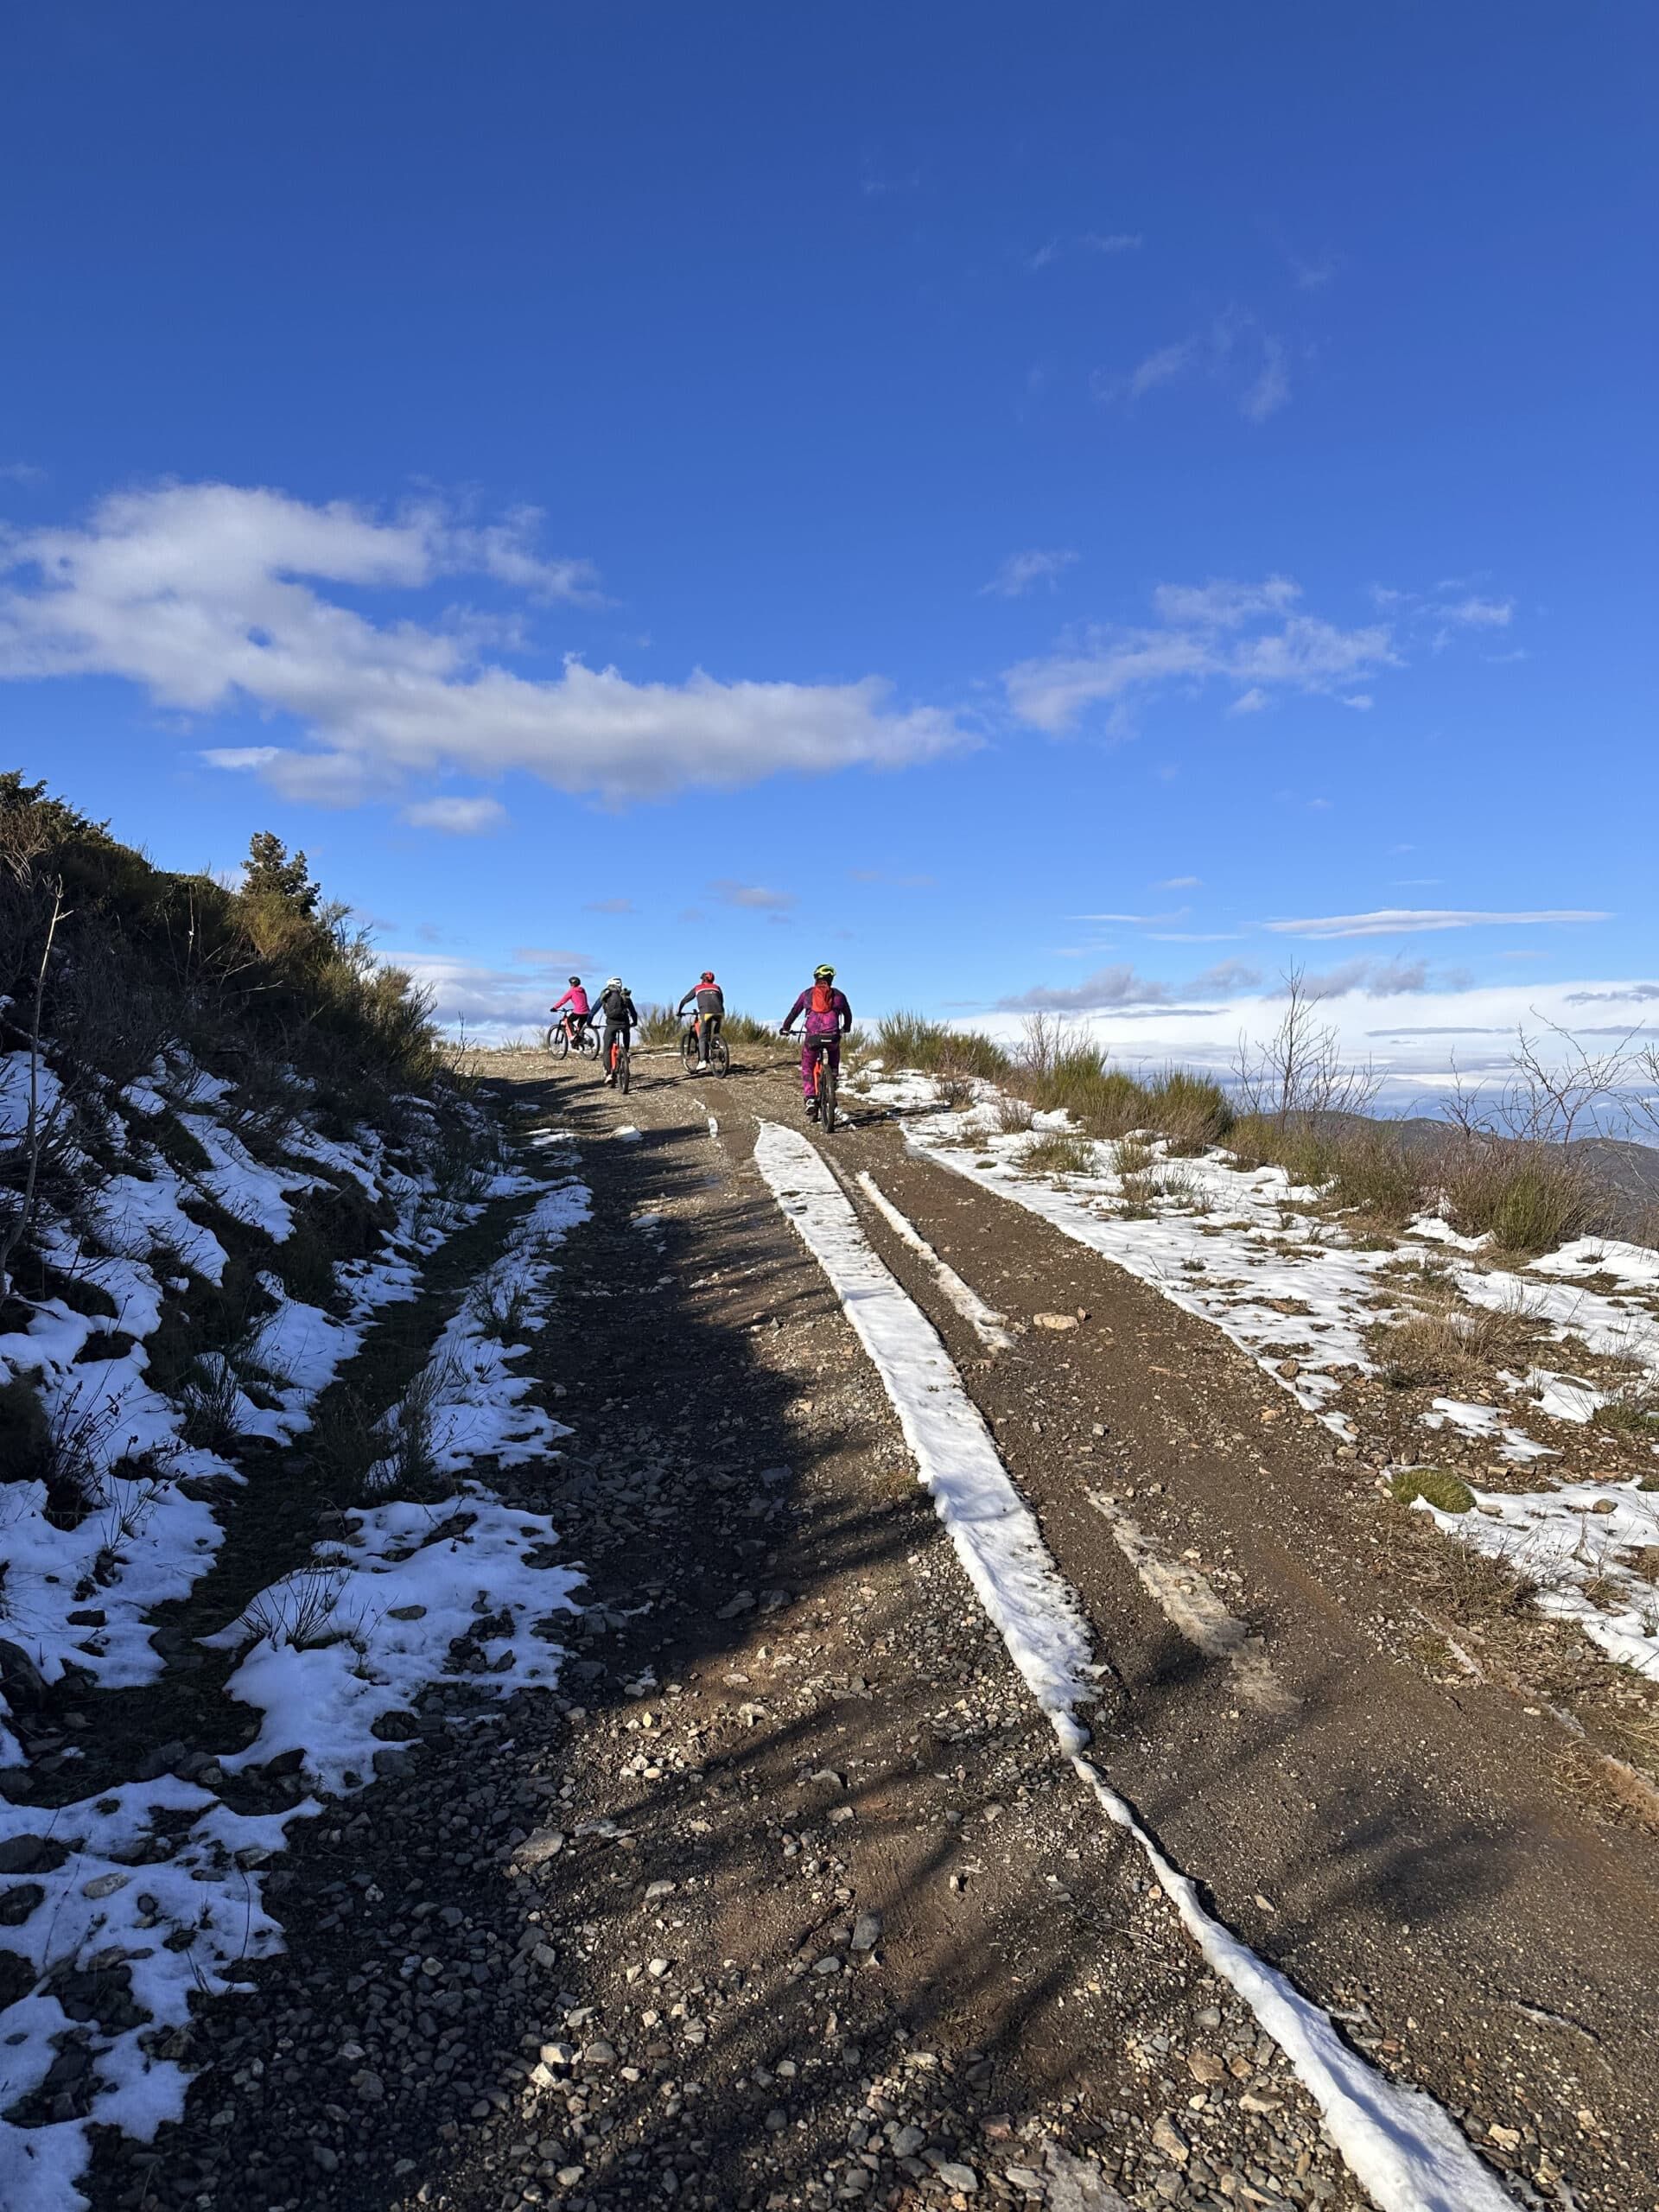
x=361 y=1631
x=989 y=1327
x=995 y=1537
x=1402 y=2146
x=1636 y=1264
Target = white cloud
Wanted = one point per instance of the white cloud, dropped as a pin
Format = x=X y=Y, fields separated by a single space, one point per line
x=1270 y=389
x=1362 y=702
x=1245 y=635
x=1162 y=367
x=1233 y=352
x=1377 y=979
x=1180 y=883
x=1314 y=276
x=1482 y=613
x=20 y=472
x=1114 y=987
x=1112 y=241
x=1022 y=572
x=206 y=595
x=240 y=757
x=460 y=817
x=1399 y=921
x=756 y=896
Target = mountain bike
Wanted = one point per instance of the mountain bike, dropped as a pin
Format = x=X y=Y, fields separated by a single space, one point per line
x=620 y=1067
x=824 y=1081
x=720 y=1060
x=584 y=1043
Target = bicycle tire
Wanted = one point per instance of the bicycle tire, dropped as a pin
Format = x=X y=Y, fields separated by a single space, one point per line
x=588 y=1041
x=560 y=1045
x=689 y=1051
x=719 y=1059
x=826 y=1094
x=623 y=1075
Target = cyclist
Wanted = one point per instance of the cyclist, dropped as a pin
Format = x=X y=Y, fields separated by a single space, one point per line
x=711 y=1012
x=576 y=1020
x=618 y=1014
x=827 y=1014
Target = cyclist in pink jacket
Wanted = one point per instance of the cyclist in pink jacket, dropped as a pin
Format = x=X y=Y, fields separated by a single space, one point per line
x=576 y=999
x=827 y=1014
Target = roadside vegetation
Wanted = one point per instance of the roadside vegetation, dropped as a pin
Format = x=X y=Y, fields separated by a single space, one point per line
x=1502 y=1168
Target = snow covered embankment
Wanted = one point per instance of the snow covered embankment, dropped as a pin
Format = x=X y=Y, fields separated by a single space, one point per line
x=151 y=1892
x=1400 y=2144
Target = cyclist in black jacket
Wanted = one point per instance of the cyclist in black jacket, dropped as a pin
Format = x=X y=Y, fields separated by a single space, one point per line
x=618 y=1014
x=711 y=1012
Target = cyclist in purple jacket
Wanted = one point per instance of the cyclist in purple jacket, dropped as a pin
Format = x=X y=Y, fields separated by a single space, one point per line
x=827 y=1014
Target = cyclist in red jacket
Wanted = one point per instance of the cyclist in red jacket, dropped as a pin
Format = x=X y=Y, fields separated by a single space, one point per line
x=827 y=1014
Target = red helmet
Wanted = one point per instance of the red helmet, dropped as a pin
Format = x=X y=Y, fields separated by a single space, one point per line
x=707 y=975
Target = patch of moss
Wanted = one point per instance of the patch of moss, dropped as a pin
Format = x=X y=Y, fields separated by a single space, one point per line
x=1449 y=1492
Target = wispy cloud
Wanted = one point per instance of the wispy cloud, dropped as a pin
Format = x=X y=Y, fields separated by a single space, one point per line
x=1314 y=276
x=213 y=597
x=1616 y=994
x=1022 y=572
x=755 y=896
x=1180 y=883
x=1113 y=986
x=241 y=758
x=1232 y=351
x=609 y=906
x=1247 y=635
x=1269 y=390
x=896 y=882
x=20 y=472
x=1377 y=979
x=459 y=817
x=1402 y=921
x=1084 y=241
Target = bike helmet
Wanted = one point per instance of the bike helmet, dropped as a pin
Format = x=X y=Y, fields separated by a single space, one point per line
x=576 y=979
x=823 y=974
x=613 y=982
x=707 y=975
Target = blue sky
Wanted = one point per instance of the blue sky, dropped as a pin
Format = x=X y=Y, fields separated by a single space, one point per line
x=1023 y=502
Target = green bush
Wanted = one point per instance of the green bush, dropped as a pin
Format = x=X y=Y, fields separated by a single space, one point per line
x=1438 y=1485
x=1058 y=1152
x=1526 y=1198
x=910 y=1040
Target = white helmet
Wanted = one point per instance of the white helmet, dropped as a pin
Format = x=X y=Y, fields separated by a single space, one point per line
x=614 y=982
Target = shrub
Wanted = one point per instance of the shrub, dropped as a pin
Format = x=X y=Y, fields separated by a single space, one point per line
x=1438 y=1485
x=658 y=1025
x=1526 y=1198
x=745 y=1029
x=1059 y=1153
x=910 y=1040
x=1191 y=1111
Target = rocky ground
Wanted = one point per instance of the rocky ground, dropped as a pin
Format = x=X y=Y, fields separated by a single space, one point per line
x=787 y=1897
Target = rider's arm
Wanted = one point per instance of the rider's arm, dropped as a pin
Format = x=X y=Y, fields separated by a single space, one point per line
x=685 y=1002
x=789 y=1019
x=565 y=1001
x=845 y=1011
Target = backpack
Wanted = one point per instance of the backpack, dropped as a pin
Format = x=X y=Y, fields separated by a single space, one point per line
x=824 y=998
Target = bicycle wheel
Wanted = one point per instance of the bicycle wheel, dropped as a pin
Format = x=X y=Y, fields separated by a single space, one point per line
x=826 y=1093
x=559 y=1044
x=588 y=1041
x=688 y=1050
x=623 y=1075
x=719 y=1058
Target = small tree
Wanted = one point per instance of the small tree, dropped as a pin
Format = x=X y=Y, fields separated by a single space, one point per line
x=271 y=872
x=1299 y=1072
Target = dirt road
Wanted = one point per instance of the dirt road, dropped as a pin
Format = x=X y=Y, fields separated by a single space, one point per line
x=791 y=1898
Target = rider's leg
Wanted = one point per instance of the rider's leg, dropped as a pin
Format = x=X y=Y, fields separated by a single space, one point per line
x=708 y=1030
x=809 y=1053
